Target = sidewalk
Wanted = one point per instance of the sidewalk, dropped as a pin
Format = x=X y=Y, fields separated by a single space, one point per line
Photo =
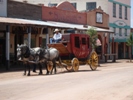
x=20 y=67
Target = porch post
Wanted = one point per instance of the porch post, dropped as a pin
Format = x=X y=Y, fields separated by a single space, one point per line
x=105 y=46
x=47 y=36
x=47 y=39
x=7 y=47
x=113 y=47
x=29 y=37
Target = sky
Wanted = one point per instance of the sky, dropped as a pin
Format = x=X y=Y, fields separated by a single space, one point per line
x=131 y=13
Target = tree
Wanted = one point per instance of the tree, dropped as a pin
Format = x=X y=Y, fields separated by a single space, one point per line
x=130 y=44
x=93 y=37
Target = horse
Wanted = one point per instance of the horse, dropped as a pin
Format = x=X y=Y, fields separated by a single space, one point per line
x=28 y=55
x=38 y=55
x=50 y=55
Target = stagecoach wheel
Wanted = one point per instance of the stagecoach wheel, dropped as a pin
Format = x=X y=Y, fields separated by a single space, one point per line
x=75 y=64
x=93 y=60
x=49 y=66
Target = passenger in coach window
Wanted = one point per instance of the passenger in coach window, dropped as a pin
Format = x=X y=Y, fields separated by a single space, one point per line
x=57 y=37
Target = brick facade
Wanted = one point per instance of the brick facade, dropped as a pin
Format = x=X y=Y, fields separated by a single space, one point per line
x=64 y=12
x=24 y=10
x=91 y=18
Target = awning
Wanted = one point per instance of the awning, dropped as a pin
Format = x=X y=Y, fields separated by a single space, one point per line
x=7 y=20
x=78 y=26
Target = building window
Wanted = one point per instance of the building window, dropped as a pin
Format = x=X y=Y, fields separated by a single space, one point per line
x=52 y=4
x=120 y=30
x=125 y=12
x=114 y=9
x=74 y=4
x=114 y=30
x=125 y=32
x=120 y=11
x=99 y=17
x=90 y=5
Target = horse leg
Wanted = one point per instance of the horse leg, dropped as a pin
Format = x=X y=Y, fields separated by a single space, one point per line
x=25 y=66
x=34 y=67
x=54 y=66
x=40 y=68
x=45 y=64
x=28 y=69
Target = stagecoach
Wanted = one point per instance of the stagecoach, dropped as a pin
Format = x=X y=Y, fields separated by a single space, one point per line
x=75 y=49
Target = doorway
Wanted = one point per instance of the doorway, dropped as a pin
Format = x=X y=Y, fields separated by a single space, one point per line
x=2 y=51
x=18 y=39
x=120 y=50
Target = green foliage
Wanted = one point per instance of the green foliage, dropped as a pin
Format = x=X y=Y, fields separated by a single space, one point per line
x=93 y=36
x=130 y=40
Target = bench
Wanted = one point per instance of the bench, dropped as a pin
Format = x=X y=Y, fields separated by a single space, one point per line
x=108 y=55
x=66 y=37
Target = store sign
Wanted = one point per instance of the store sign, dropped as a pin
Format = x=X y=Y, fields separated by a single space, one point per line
x=120 y=23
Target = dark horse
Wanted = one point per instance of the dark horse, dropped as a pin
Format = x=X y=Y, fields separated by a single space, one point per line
x=39 y=56
x=28 y=55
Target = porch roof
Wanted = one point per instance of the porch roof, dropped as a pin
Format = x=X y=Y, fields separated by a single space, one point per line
x=79 y=26
x=7 y=20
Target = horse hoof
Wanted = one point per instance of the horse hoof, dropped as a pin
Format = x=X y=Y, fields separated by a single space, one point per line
x=47 y=73
x=24 y=74
x=40 y=73
x=28 y=74
x=34 y=71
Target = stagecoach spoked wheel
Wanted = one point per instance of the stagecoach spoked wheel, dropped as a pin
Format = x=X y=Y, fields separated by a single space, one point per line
x=75 y=64
x=93 y=60
x=49 y=66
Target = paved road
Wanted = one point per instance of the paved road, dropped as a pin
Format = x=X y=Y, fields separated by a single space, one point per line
x=111 y=81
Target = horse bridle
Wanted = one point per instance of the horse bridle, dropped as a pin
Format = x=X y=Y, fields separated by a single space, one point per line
x=27 y=53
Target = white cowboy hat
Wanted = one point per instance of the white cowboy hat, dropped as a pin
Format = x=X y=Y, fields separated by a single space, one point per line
x=56 y=30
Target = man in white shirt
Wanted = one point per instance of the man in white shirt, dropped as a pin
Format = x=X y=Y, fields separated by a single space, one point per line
x=57 y=37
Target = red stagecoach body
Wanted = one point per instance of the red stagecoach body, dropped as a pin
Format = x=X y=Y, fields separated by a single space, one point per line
x=75 y=47
x=75 y=44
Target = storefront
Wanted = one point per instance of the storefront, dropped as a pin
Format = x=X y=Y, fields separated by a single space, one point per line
x=37 y=32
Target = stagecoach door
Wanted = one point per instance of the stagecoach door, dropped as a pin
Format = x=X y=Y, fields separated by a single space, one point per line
x=80 y=45
x=121 y=50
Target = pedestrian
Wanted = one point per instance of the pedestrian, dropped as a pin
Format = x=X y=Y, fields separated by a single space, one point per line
x=57 y=37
